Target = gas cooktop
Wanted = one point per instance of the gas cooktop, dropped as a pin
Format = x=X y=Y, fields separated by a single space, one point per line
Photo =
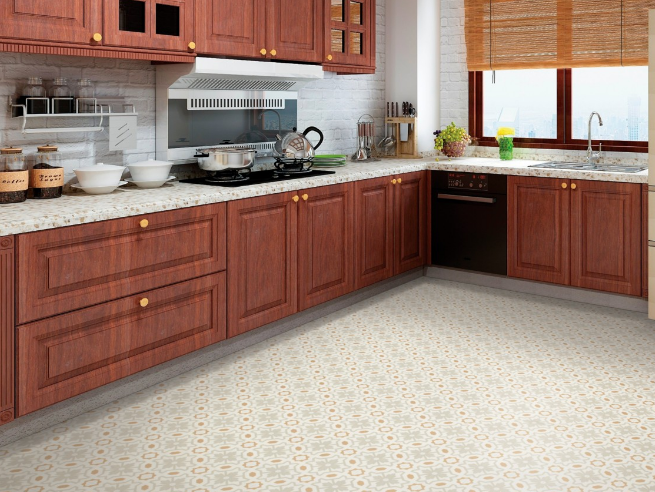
x=257 y=177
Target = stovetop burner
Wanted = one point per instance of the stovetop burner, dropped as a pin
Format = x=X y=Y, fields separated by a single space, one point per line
x=258 y=177
x=288 y=167
x=229 y=176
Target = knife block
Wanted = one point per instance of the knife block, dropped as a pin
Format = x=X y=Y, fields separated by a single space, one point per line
x=408 y=149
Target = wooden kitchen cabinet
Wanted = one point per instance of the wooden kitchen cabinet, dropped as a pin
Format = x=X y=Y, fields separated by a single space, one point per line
x=325 y=244
x=62 y=21
x=410 y=223
x=6 y=329
x=606 y=245
x=538 y=229
x=289 y=30
x=262 y=261
x=149 y=24
x=350 y=27
x=60 y=270
x=644 y=240
x=67 y=355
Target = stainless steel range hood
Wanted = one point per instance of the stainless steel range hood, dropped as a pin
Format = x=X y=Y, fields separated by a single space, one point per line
x=217 y=84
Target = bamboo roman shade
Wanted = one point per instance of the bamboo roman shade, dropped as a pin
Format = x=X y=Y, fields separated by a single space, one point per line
x=515 y=34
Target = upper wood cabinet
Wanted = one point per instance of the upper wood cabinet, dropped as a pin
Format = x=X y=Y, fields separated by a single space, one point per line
x=62 y=21
x=274 y=29
x=151 y=24
x=6 y=329
x=350 y=29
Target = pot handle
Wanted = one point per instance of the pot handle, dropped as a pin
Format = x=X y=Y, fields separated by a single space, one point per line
x=315 y=130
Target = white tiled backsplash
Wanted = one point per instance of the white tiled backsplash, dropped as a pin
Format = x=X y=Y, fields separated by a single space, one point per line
x=333 y=104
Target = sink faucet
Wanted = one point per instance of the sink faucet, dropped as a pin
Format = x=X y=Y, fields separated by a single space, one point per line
x=593 y=157
x=279 y=120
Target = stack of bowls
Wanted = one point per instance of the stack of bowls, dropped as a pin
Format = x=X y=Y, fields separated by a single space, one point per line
x=150 y=174
x=99 y=179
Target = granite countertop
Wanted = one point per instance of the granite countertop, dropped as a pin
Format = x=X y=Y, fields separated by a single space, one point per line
x=80 y=208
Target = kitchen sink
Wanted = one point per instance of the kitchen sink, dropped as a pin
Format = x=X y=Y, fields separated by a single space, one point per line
x=583 y=166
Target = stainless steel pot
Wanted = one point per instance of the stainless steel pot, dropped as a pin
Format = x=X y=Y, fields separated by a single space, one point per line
x=223 y=159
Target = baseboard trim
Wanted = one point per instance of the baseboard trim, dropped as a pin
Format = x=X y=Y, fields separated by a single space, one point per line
x=628 y=303
x=91 y=400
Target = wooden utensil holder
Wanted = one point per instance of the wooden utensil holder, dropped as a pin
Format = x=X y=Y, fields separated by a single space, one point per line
x=408 y=149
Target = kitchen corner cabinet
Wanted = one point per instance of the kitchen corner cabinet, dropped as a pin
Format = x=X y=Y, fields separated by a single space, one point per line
x=271 y=29
x=350 y=29
x=390 y=225
x=6 y=329
x=576 y=232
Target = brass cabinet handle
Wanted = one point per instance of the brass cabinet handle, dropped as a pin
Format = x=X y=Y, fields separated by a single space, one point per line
x=574 y=186
x=394 y=181
x=400 y=180
x=97 y=37
x=305 y=197
x=273 y=52
x=263 y=51
x=192 y=45
x=296 y=198
x=329 y=57
x=144 y=223
x=564 y=186
x=144 y=302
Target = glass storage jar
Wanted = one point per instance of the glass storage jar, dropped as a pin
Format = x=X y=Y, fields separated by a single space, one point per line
x=34 y=96
x=14 y=177
x=85 y=97
x=61 y=97
x=46 y=173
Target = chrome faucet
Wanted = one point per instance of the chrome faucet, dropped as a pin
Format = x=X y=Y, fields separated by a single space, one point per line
x=593 y=157
x=279 y=120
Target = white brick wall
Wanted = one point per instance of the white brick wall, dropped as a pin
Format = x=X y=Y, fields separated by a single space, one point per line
x=333 y=104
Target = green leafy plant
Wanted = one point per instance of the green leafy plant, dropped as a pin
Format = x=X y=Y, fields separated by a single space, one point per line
x=451 y=134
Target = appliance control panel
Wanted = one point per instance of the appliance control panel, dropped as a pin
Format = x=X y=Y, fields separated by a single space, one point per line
x=468 y=181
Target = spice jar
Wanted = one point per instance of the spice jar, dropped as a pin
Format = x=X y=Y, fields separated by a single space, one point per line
x=34 y=96
x=46 y=173
x=14 y=177
x=85 y=96
x=61 y=97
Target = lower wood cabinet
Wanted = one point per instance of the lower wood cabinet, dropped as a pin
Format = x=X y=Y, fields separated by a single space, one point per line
x=66 y=355
x=410 y=222
x=6 y=329
x=576 y=232
x=644 y=240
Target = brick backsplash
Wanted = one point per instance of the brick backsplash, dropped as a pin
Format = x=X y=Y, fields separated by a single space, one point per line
x=454 y=92
x=333 y=104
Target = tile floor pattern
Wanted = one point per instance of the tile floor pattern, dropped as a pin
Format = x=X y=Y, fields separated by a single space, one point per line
x=434 y=386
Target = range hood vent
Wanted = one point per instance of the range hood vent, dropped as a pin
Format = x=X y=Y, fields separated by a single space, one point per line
x=235 y=85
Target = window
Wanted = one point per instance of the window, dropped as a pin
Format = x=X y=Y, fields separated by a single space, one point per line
x=550 y=108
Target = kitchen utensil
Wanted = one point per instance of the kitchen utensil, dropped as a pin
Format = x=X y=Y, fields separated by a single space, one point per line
x=100 y=175
x=150 y=184
x=295 y=145
x=366 y=149
x=99 y=190
x=223 y=159
x=330 y=160
x=150 y=170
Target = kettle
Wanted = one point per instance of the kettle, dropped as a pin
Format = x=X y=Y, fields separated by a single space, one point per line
x=294 y=145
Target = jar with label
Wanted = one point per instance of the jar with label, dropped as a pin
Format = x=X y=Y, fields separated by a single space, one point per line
x=85 y=97
x=61 y=97
x=14 y=177
x=46 y=173
x=34 y=96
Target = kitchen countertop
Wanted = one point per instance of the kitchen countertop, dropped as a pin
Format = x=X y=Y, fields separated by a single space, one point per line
x=80 y=208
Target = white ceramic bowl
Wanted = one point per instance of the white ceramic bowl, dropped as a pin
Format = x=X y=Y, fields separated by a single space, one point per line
x=149 y=171
x=99 y=176
x=99 y=190
x=150 y=184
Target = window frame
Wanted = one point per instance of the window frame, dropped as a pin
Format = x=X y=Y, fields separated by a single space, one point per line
x=564 y=138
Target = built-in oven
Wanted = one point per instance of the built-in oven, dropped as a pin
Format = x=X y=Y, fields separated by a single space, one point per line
x=469 y=221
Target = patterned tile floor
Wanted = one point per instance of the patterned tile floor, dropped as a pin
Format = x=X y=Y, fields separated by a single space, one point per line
x=434 y=386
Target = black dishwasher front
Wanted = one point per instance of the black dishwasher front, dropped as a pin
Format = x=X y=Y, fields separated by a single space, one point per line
x=469 y=221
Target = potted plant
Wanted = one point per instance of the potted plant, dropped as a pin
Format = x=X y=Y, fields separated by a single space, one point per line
x=452 y=141
x=505 y=139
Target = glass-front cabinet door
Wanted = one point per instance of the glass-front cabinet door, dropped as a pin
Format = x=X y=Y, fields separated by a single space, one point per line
x=350 y=30
x=155 y=24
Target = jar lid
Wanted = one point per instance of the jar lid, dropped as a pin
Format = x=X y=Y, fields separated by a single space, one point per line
x=85 y=82
x=47 y=148
x=60 y=81
x=11 y=150
x=35 y=81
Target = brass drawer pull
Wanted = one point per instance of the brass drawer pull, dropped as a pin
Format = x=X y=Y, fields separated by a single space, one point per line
x=144 y=223
x=144 y=302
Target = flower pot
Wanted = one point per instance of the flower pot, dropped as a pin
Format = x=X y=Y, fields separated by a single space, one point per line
x=454 y=149
x=506 y=148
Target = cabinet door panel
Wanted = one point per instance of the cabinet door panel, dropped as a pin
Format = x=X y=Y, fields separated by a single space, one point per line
x=374 y=238
x=63 y=21
x=644 y=240
x=6 y=329
x=325 y=245
x=350 y=27
x=606 y=244
x=73 y=267
x=295 y=29
x=538 y=228
x=231 y=27
x=154 y=24
x=262 y=261
x=64 y=356
x=410 y=221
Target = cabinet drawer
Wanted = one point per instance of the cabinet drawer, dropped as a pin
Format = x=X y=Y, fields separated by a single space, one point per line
x=64 y=269
x=67 y=355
